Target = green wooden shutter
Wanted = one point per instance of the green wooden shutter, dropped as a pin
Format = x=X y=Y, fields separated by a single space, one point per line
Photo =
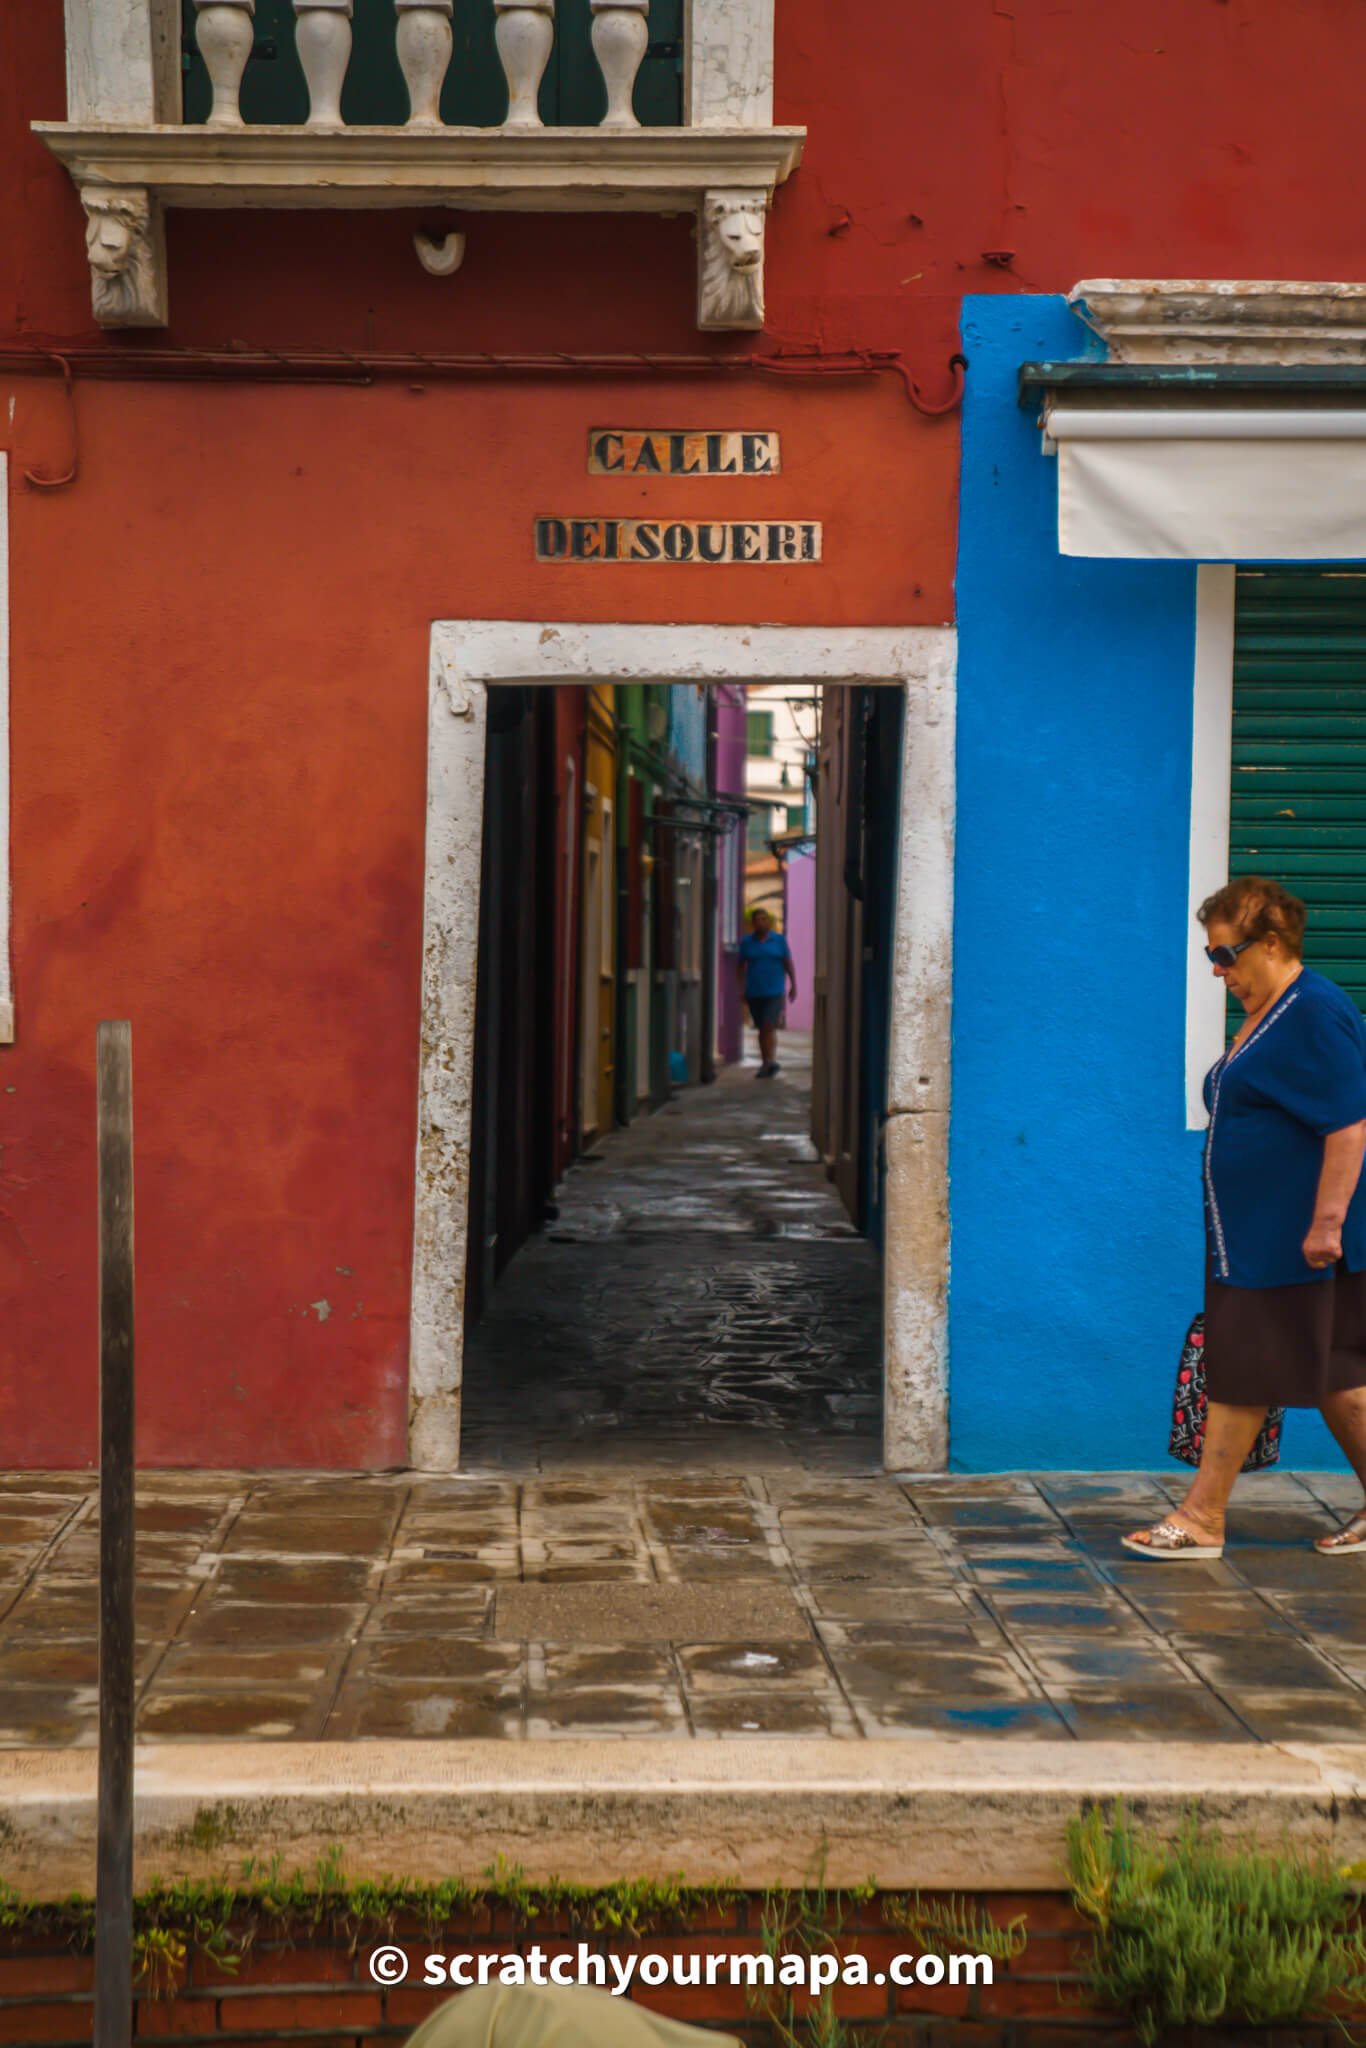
x=759 y=734
x=475 y=91
x=1299 y=754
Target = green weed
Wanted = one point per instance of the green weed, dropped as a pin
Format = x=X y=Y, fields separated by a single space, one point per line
x=221 y=1919
x=1193 y=1933
x=805 y=1923
x=957 y=1925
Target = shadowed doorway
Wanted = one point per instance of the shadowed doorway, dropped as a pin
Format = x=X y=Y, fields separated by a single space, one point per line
x=670 y=1258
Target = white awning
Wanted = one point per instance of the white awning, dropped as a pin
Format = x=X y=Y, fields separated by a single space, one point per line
x=1211 y=484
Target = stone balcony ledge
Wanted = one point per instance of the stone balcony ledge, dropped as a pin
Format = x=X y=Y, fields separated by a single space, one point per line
x=647 y=170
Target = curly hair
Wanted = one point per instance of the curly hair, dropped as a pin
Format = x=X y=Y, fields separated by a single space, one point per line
x=1256 y=906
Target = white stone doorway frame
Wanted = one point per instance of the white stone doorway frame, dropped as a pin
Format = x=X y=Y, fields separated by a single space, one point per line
x=467 y=659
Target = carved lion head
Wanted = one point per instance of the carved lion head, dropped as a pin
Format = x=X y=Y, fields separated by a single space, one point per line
x=733 y=260
x=738 y=226
x=123 y=268
x=114 y=223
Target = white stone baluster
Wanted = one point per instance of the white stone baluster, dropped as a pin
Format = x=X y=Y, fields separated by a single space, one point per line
x=322 y=37
x=425 y=42
x=223 y=30
x=525 y=35
x=620 y=38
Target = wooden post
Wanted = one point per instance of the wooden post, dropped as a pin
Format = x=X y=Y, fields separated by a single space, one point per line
x=114 y=1851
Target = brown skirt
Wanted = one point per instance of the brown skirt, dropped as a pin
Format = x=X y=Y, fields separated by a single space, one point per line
x=1285 y=1346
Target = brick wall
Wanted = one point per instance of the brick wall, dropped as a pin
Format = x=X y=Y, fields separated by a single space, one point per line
x=303 y=1985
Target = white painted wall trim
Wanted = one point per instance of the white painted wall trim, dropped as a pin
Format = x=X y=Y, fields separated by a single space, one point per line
x=467 y=657
x=1211 y=774
x=6 y=970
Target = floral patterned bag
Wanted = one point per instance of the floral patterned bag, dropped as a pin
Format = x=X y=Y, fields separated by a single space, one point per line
x=1190 y=1402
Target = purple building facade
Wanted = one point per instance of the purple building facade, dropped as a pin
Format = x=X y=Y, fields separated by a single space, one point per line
x=799 y=929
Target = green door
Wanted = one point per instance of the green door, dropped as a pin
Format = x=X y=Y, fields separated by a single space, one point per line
x=475 y=92
x=1299 y=754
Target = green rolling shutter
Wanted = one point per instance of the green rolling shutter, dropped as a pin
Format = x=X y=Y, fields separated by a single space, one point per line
x=475 y=91
x=1299 y=754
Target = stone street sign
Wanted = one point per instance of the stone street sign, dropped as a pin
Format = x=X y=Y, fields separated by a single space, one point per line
x=793 y=541
x=671 y=451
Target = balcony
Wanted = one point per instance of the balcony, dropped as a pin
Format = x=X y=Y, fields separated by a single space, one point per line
x=209 y=111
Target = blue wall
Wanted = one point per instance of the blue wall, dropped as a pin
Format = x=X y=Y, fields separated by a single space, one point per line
x=1077 y=1246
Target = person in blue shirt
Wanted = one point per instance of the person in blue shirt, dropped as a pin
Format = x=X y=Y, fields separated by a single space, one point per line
x=763 y=965
x=1285 y=1212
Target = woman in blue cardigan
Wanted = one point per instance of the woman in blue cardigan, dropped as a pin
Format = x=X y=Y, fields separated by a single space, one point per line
x=1285 y=1213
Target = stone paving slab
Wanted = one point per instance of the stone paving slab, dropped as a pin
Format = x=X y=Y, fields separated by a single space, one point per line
x=673 y=1604
x=650 y=1613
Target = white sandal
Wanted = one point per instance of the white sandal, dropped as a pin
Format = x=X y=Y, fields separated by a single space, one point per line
x=1347 y=1541
x=1169 y=1543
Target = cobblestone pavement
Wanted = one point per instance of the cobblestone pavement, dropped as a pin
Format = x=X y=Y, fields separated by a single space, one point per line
x=674 y=1603
x=702 y=1298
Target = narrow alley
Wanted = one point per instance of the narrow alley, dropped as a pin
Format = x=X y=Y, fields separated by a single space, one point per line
x=700 y=1299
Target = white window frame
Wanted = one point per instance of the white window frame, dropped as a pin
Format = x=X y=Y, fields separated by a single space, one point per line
x=1211 y=783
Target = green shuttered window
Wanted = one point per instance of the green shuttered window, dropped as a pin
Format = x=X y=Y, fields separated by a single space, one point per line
x=1299 y=754
x=475 y=91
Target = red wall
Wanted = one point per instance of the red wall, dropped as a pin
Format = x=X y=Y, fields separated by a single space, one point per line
x=220 y=630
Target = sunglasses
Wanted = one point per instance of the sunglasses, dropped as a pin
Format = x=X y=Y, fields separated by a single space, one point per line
x=1224 y=956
